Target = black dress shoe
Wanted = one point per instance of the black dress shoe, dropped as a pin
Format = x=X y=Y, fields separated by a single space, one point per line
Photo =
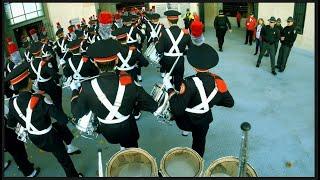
x=274 y=73
x=281 y=70
x=257 y=65
x=277 y=67
x=255 y=53
x=246 y=43
x=80 y=175
x=266 y=55
x=220 y=49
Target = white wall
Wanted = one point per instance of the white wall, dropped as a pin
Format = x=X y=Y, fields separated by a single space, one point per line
x=63 y=12
x=283 y=11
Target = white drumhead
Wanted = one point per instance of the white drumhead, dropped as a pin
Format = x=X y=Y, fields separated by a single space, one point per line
x=132 y=162
x=181 y=162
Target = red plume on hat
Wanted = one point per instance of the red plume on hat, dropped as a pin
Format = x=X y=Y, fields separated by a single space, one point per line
x=196 y=28
x=78 y=26
x=12 y=48
x=117 y=16
x=9 y=39
x=105 y=17
x=32 y=31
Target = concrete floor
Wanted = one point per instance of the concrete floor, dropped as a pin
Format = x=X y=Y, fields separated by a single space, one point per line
x=280 y=109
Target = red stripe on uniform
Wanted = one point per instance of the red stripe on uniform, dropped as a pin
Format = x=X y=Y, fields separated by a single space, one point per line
x=105 y=59
x=18 y=79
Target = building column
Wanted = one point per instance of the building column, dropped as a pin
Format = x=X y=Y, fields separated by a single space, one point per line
x=211 y=10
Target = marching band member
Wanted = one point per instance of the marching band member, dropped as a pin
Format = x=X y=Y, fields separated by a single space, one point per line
x=105 y=25
x=33 y=112
x=111 y=97
x=153 y=32
x=27 y=54
x=84 y=44
x=47 y=48
x=77 y=66
x=60 y=46
x=191 y=106
x=117 y=22
x=172 y=44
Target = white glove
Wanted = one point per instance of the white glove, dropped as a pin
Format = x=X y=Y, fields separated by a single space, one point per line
x=158 y=112
x=166 y=82
x=74 y=85
x=62 y=62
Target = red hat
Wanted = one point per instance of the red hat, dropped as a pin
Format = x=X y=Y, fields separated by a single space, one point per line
x=71 y=28
x=12 y=48
x=105 y=17
x=32 y=31
x=78 y=26
x=9 y=39
x=117 y=16
x=196 y=28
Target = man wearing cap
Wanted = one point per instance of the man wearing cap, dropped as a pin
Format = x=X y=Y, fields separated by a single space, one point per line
x=60 y=46
x=92 y=35
x=172 y=44
x=12 y=145
x=14 y=55
x=34 y=35
x=27 y=54
x=117 y=22
x=71 y=34
x=270 y=36
x=47 y=48
x=84 y=44
x=191 y=106
x=154 y=29
x=33 y=112
x=251 y=24
x=221 y=25
x=287 y=38
x=111 y=97
x=134 y=34
x=187 y=19
x=78 y=67
x=280 y=28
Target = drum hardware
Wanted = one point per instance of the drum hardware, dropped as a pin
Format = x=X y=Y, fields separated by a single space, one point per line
x=181 y=162
x=100 y=170
x=160 y=95
x=151 y=54
x=132 y=162
x=86 y=126
x=82 y=80
x=21 y=132
x=230 y=166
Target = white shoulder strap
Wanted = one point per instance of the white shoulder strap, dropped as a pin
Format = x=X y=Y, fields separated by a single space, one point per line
x=76 y=72
x=174 y=44
x=113 y=109
x=27 y=119
x=130 y=39
x=8 y=67
x=125 y=66
x=203 y=107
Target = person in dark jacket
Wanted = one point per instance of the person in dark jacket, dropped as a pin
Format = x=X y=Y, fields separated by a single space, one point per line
x=287 y=38
x=191 y=106
x=221 y=25
x=270 y=35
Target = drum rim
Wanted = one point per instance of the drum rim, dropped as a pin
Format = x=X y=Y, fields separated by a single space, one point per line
x=162 y=162
x=154 y=169
x=215 y=162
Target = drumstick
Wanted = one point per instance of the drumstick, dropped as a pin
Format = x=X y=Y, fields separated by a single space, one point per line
x=82 y=80
x=100 y=163
x=245 y=127
x=173 y=66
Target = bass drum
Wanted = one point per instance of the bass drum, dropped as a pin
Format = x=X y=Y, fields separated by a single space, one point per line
x=132 y=162
x=228 y=167
x=181 y=162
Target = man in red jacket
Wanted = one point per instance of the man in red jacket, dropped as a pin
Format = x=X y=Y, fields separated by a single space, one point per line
x=250 y=25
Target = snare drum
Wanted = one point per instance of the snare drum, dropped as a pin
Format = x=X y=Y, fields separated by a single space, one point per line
x=228 y=167
x=132 y=162
x=85 y=126
x=151 y=54
x=159 y=94
x=181 y=162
